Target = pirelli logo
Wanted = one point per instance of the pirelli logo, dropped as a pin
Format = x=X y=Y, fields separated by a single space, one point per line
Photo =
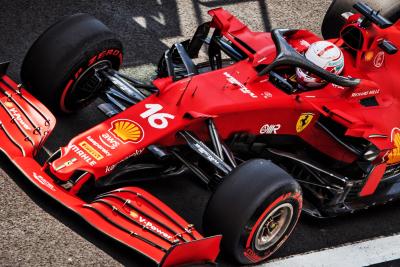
x=91 y=150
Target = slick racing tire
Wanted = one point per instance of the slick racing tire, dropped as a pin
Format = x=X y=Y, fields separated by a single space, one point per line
x=60 y=67
x=255 y=209
x=333 y=21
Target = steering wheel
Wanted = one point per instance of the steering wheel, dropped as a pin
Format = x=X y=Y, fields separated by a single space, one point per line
x=288 y=56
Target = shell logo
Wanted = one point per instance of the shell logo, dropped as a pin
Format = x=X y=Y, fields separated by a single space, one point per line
x=8 y=104
x=134 y=214
x=127 y=131
x=394 y=155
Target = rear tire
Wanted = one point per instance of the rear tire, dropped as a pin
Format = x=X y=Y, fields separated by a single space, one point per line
x=243 y=206
x=59 y=67
x=333 y=21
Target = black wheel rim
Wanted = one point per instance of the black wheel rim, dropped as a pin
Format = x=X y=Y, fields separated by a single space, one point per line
x=86 y=87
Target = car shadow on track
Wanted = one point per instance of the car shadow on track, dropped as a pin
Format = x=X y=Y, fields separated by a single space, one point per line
x=142 y=26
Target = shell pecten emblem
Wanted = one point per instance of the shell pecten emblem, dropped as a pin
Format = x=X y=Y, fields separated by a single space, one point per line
x=134 y=214
x=127 y=131
x=394 y=155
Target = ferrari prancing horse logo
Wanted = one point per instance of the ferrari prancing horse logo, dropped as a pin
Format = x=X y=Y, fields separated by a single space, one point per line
x=303 y=121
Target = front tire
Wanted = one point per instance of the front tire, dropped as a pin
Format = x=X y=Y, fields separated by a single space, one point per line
x=255 y=209
x=59 y=68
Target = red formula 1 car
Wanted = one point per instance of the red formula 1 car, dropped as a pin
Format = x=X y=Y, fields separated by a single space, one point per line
x=239 y=122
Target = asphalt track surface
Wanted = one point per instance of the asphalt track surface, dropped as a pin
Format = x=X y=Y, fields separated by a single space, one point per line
x=36 y=231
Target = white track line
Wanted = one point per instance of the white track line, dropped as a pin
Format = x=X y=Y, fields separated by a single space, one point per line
x=364 y=253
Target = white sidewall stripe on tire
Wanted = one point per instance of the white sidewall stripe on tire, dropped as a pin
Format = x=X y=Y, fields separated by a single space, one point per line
x=363 y=253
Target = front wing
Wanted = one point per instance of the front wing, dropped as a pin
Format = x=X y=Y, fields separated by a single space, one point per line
x=129 y=215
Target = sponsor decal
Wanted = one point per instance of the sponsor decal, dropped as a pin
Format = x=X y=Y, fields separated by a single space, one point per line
x=366 y=93
x=111 y=168
x=304 y=43
x=9 y=104
x=134 y=214
x=65 y=164
x=135 y=154
x=270 y=128
x=100 y=147
x=338 y=86
x=83 y=155
x=91 y=150
x=266 y=95
x=251 y=255
x=43 y=181
x=303 y=121
x=120 y=84
x=379 y=59
x=127 y=131
x=369 y=56
x=208 y=154
x=243 y=88
x=334 y=67
x=18 y=117
x=393 y=156
x=149 y=225
x=294 y=77
x=109 y=141
x=106 y=53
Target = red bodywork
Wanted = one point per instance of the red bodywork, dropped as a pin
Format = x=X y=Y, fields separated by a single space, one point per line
x=222 y=93
x=239 y=101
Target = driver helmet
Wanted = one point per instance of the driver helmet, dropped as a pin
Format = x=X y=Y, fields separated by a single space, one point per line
x=325 y=55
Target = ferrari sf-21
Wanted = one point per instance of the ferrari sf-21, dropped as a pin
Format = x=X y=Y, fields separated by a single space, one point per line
x=272 y=123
